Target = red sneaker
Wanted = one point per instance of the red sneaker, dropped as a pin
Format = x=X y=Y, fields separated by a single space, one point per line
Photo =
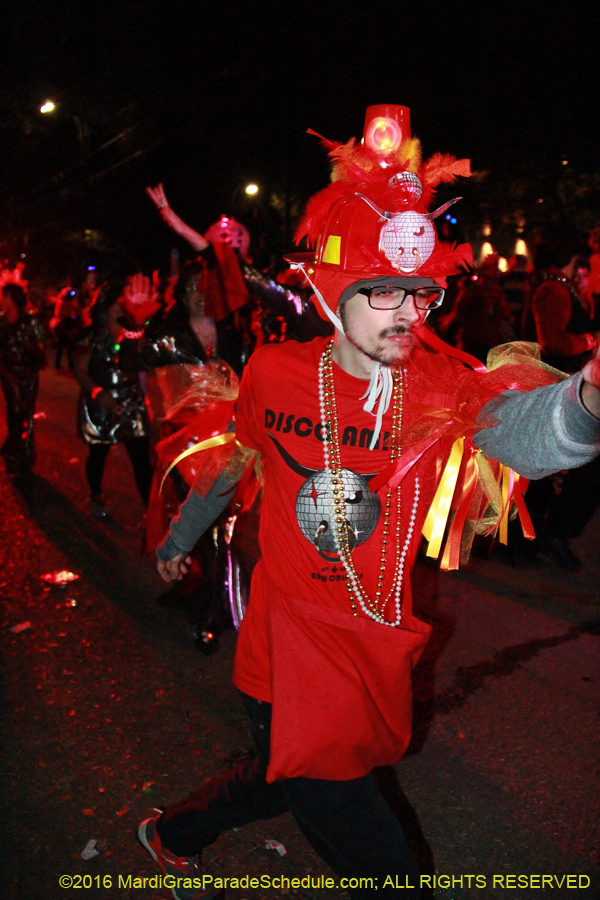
x=191 y=880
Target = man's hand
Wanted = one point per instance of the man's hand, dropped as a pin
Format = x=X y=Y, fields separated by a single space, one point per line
x=174 y=569
x=158 y=196
x=590 y=393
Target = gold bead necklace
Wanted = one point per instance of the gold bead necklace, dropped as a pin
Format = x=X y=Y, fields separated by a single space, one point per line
x=374 y=608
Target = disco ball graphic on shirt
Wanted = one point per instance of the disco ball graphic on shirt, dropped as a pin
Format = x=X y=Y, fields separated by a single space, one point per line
x=313 y=510
x=407 y=240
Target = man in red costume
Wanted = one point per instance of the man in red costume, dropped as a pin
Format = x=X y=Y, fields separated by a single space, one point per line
x=356 y=434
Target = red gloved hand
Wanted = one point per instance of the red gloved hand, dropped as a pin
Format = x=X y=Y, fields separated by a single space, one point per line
x=139 y=299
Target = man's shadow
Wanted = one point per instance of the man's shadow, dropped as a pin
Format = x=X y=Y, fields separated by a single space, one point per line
x=96 y=552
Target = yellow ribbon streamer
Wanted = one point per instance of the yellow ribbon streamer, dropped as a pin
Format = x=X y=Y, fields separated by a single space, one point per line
x=217 y=441
x=435 y=523
x=506 y=479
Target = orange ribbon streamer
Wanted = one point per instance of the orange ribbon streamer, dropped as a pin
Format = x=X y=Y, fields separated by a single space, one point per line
x=451 y=557
x=511 y=485
x=521 y=485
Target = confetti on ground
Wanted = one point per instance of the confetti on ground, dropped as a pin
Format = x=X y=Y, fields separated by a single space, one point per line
x=22 y=626
x=89 y=851
x=60 y=578
x=276 y=845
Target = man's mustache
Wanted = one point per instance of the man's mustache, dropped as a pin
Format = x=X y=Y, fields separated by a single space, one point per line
x=397 y=329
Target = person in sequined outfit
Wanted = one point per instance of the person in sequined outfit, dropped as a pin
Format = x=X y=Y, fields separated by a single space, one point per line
x=21 y=358
x=111 y=405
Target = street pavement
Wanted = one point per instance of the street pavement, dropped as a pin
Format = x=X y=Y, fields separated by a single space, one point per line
x=110 y=711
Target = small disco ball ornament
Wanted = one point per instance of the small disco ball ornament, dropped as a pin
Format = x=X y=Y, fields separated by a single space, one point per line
x=410 y=184
x=407 y=240
x=313 y=510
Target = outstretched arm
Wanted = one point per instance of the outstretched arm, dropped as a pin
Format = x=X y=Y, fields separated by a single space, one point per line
x=540 y=432
x=590 y=392
x=159 y=198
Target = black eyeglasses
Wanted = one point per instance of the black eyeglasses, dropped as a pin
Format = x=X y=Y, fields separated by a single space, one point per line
x=387 y=297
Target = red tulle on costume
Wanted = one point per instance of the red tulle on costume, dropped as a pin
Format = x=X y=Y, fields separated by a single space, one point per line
x=200 y=403
x=479 y=493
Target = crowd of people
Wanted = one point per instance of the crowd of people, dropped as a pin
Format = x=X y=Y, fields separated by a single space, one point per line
x=325 y=676
x=221 y=307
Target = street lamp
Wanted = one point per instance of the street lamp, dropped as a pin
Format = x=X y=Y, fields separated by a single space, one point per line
x=83 y=130
x=252 y=189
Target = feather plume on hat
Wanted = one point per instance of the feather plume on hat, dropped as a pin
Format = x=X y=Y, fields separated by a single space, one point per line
x=357 y=168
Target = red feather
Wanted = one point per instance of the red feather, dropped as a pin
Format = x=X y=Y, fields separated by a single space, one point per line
x=443 y=167
x=316 y=211
x=329 y=145
x=449 y=259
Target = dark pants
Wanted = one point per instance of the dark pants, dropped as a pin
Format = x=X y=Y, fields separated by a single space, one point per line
x=20 y=393
x=573 y=508
x=565 y=515
x=138 y=452
x=348 y=823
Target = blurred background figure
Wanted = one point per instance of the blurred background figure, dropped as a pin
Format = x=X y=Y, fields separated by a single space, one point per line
x=481 y=317
x=218 y=283
x=66 y=324
x=514 y=285
x=249 y=307
x=178 y=334
x=563 y=313
x=594 y=261
x=192 y=394
x=21 y=358
x=561 y=316
x=111 y=405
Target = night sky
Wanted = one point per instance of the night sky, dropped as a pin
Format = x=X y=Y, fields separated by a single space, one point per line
x=206 y=96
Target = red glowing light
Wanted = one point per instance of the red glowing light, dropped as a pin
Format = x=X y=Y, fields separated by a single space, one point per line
x=383 y=135
x=386 y=127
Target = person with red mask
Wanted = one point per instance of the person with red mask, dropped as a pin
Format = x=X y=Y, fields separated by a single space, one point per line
x=366 y=441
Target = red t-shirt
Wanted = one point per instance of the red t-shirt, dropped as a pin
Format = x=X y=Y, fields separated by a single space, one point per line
x=340 y=684
x=278 y=414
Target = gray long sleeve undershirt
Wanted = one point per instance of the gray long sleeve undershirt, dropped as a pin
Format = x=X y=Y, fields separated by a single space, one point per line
x=195 y=515
x=536 y=433
x=540 y=432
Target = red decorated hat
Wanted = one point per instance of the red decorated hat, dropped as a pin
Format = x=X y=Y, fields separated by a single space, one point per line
x=372 y=221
